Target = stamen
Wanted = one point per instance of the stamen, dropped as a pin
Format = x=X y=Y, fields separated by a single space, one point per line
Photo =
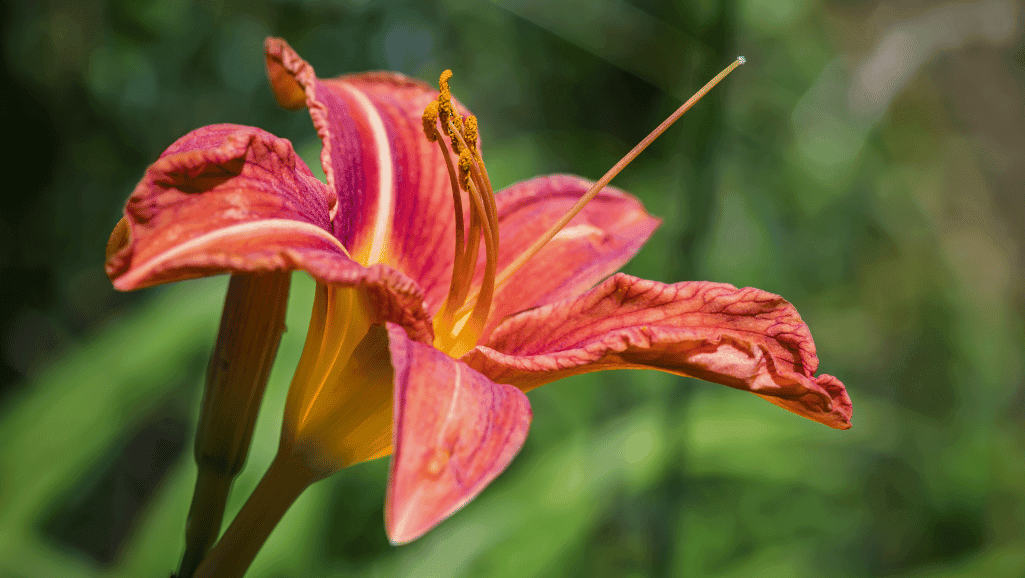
x=490 y=197
x=473 y=178
x=484 y=199
x=442 y=109
x=506 y=273
x=447 y=115
x=463 y=268
x=481 y=173
x=490 y=225
x=463 y=273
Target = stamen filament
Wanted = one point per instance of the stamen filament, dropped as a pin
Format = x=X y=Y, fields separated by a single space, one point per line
x=482 y=304
x=478 y=161
x=452 y=303
x=490 y=208
x=467 y=267
x=522 y=258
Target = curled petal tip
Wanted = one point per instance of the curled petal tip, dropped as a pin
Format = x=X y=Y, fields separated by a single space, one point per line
x=743 y=338
x=284 y=67
x=843 y=409
x=119 y=237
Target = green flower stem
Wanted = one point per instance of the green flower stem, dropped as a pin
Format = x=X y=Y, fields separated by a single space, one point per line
x=205 y=517
x=284 y=481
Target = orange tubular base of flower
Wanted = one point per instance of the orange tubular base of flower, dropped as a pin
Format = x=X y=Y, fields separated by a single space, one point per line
x=338 y=411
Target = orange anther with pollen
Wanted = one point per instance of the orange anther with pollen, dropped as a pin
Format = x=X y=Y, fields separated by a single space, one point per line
x=430 y=121
x=470 y=132
x=446 y=112
x=446 y=93
x=465 y=165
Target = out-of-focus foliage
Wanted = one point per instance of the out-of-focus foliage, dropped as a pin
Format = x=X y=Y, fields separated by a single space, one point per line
x=866 y=164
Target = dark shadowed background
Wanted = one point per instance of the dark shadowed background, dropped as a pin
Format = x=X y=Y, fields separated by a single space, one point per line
x=868 y=164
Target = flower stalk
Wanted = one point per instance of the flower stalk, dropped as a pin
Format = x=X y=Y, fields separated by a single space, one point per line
x=286 y=478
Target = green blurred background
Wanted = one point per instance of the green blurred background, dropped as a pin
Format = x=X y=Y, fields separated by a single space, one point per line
x=868 y=164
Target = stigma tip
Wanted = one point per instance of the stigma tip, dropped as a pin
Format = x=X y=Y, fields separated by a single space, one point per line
x=741 y=59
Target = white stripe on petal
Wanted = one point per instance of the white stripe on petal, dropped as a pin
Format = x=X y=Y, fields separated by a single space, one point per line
x=385 y=179
x=240 y=230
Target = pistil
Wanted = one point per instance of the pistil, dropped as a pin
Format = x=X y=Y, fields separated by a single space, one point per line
x=543 y=240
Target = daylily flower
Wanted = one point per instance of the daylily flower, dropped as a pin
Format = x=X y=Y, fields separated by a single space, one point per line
x=435 y=308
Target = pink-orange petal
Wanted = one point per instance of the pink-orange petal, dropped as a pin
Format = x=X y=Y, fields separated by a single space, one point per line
x=394 y=197
x=596 y=243
x=217 y=183
x=744 y=338
x=235 y=199
x=454 y=431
